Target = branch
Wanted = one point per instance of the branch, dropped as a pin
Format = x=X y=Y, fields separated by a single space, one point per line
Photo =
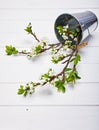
x=34 y=35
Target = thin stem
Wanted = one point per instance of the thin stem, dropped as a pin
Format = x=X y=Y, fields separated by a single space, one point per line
x=56 y=44
x=67 y=62
x=50 y=46
x=34 y=35
x=61 y=45
x=63 y=71
x=26 y=53
x=43 y=50
x=64 y=61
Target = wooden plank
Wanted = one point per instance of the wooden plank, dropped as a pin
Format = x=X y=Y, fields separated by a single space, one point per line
x=80 y=94
x=49 y=4
x=87 y=56
x=20 y=69
x=78 y=108
x=24 y=40
x=18 y=26
x=32 y=14
x=12 y=32
x=50 y=118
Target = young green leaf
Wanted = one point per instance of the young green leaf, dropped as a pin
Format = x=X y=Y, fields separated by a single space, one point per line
x=68 y=69
x=60 y=85
x=68 y=73
x=72 y=59
x=58 y=58
x=29 y=28
x=38 y=49
x=68 y=43
x=76 y=75
x=72 y=76
x=25 y=93
x=11 y=50
x=73 y=46
x=77 y=59
x=47 y=76
x=21 y=90
x=60 y=29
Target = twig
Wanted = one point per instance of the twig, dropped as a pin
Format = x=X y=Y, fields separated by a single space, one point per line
x=26 y=53
x=34 y=35
x=62 y=72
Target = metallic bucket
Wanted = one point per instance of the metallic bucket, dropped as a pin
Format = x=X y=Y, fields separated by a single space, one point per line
x=86 y=21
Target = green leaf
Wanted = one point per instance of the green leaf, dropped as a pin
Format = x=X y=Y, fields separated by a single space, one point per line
x=56 y=59
x=60 y=85
x=47 y=76
x=76 y=75
x=72 y=76
x=11 y=50
x=73 y=46
x=53 y=50
x=21 y=87
x=72 y=59
x=24 y=90
x=25 y=93
x=60 y=29
x=70 y=79
x=77 y=59
x=74 y=32
x=38 y=49
x=28 y=28
x=68 y=43
x=68 y=69
x=21 y=90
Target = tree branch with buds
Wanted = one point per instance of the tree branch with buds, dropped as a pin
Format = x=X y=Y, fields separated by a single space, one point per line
x=65 y=52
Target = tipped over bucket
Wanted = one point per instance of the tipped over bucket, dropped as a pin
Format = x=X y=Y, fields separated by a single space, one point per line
x=83 y=25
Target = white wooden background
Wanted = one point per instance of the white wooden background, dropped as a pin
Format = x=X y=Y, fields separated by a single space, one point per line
x=78 y=108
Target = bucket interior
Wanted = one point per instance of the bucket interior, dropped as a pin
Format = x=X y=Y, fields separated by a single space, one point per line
x=71 y=22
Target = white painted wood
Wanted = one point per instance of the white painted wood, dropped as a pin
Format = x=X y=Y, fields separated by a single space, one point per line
x=49 y=4
x=23 y=40
x=34 y=14
x=87 y=56
x=79 y=94
x=78 y=108
x=12 y=32
x=18 y=26
x=16 y=70
x=50 y=118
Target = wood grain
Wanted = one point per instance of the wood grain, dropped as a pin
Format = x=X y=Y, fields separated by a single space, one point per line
x=49 y=4
x=82 y=94
x=78 y=108
x=50 y=118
